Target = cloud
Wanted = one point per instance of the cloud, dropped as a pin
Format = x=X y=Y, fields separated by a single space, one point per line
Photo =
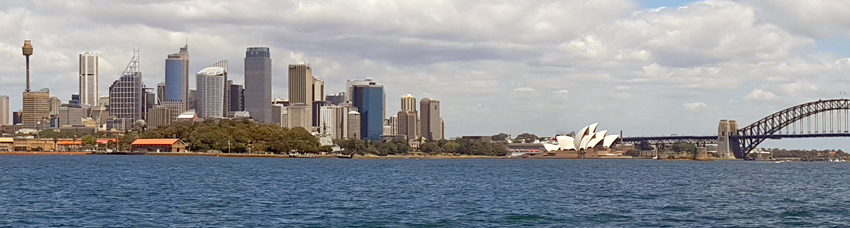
x=761 y=95
x=525 y=90
x=562 y=92
x=694 y=107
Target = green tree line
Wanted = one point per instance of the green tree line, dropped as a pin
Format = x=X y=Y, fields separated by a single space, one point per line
x=238 y=137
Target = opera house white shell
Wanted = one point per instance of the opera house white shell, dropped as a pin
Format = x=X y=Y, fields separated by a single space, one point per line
x=586 y=138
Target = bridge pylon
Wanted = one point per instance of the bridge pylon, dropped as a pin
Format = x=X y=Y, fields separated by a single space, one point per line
x=728 y=145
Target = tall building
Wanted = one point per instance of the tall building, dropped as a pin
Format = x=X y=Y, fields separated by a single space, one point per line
x=334 y=121
x=177 y=77
x=36 y=109
x=300 y=84
x=226 y=88
x=159 y=116
x=88 y=78
x=53 y=104
x=126 y=95
x=4 y=110
x=335 y=99
x=391 y=126
x=237 y=98
x=258 y=84
x=369 y=101
x=431 y=124
x=298 y=115
x=210 y=93
x=318 y=100
x=160 y=93
x=408 y=122
x=354 y=121
x=27 y=49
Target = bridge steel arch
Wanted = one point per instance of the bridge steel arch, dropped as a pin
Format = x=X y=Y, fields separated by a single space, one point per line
x=751 y=136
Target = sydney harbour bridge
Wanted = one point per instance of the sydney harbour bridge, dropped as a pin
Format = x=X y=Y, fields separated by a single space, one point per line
x=822 y=118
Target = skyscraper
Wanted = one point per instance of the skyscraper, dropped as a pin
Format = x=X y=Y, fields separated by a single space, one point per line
x=126 y=95
x=369 y=101
x=4 y=110
x=300 y=84
x=318 y=100
x=88 y=78
x=408 y=122
x=237 y=98
x=160 y=93
x=431 y=125
x=177 y=78
x=210 y=93
x=258 y=84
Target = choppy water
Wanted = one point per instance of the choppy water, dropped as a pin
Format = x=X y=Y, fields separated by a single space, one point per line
x=150 y=191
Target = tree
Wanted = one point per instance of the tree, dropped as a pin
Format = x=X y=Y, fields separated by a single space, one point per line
x=527 y=137
x=89 y=140
x=451 y=147
x=684 y=147
x=499 y=137
x=430 y=147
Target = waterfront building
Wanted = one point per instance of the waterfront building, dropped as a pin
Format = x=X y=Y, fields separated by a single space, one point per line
x=210 y=95
x=258 y=85
x=369 y=101
x=354 y=125
x=431 y=124
x=177 y=78
x=158 y=145
x=4 y=110
x=88 y=78
x=126 y=96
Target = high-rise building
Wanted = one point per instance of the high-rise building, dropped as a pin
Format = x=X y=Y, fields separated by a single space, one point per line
x=177 y=77
x=318 y=100
x=334 y=121
x=335 y=98
x=36 y=109
x=369 y=101
x=53 y=104
x=431 y=124
x=160 y=93
x=126 y=95
x=70 y=116
x=237 y=98
x=159 y=116
x=408 y=122
x=88 y=78
x=4 y=110
x=391 y=126
x=210 y=93
x=193 y=99
x=258 y=84
x=354 y=131
x=300 y=84
x=18 y=117
x=299 y=116
x=226 y=90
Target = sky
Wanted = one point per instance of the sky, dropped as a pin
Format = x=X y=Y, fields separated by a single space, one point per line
x=538 y=66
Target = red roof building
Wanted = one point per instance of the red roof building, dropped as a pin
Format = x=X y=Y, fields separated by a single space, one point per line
x=158 y=145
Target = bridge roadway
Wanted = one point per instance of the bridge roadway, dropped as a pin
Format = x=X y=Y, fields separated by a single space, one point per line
x=712 y=139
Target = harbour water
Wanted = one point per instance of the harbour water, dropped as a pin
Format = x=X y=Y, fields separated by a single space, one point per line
x=152 y=191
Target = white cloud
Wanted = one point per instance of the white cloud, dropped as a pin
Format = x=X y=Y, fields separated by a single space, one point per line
x=694 y=106
x=761 y=95
x=525 y=90
x=562 y=92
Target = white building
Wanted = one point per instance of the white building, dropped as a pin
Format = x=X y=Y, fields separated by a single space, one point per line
x=211 y=92
x=88 y=79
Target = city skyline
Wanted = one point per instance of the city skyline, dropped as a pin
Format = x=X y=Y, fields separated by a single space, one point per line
x=545 y=66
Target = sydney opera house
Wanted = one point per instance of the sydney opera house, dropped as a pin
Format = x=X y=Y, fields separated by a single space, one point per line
x=587 y=143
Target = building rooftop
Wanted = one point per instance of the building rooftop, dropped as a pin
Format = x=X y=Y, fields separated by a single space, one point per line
x=155 y=141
